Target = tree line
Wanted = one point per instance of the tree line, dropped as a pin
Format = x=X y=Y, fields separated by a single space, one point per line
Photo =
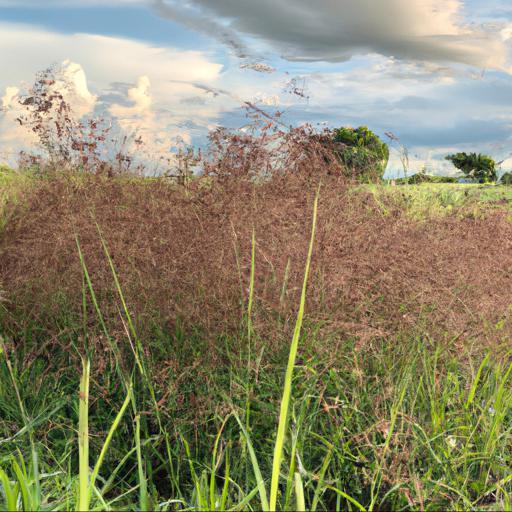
x=367 y=156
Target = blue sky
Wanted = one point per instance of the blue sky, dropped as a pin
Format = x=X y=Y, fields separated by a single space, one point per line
x=437 y=73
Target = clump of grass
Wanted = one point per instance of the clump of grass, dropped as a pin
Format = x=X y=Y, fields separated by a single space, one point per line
x=87 y=479
x=395 y=429
x=404 y=424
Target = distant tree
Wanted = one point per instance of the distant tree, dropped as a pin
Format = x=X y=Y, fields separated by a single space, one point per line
x=362 y=152
x=506 y=179
x=423 y=177
x=479 y=167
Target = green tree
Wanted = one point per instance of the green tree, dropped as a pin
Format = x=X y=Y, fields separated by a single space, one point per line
x=362 y=152
x=506 y=179
x=479 y=167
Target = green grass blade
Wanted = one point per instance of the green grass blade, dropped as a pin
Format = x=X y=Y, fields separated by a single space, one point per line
x=225 y=487
x=215 y=463
x=27 y=424
x=299 y=494
x=24 y=485
x=377 y=479
x=347 y=497
x=91 y=291
x=83 y=438
x=11 y=496
x=255 y=466
x=143 y=485
x=285 y=401
x=474 y=387
x=247 y=499
x=319 y=488
x=106 y=444
x=202 y=503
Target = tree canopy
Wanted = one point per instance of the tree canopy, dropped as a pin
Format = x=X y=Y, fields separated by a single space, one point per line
x=506 y=179
x=363 y=152
x=479 y=167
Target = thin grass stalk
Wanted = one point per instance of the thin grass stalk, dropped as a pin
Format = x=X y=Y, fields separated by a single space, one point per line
x=202 y=501
x=83 y=438
x=321 y=476
x=126 y=381
x=285 y=401
x=377 y=479
x=139 y=355
x=128 y=316
x=143 y=485
x=249 y=338
x=108 y=439
x=215 y=464
x=260 y=482
x=225 y=487
x=282 y=296
x=251 y=292
x=239 y=268
x=474 y=387
x=93 y=296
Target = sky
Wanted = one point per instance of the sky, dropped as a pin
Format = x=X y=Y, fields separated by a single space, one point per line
x=435 y=73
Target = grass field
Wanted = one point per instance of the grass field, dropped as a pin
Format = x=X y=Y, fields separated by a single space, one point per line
x=11 y=185
x=288 y=409
x=442 y=198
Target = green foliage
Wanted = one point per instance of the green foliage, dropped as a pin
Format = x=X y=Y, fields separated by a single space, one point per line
x=420 y=177
x=479 y=167
x=506 y=179
x=404 y=424
x=363 y=153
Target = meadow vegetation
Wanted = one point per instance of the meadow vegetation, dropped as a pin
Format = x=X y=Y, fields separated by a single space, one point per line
x=184 y=301
x=268 y=335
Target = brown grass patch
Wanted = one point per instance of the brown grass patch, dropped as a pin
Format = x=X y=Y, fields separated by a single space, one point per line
x=183 y=255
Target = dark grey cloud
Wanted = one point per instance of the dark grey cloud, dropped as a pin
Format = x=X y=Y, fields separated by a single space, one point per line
x=335 y=30
x=196 y=20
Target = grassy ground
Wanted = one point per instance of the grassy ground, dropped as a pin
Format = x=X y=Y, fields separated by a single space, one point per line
x=401 y=424
x=12 y=184
x=433 y=199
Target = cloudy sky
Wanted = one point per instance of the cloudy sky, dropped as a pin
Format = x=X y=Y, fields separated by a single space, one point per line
x=436 y=73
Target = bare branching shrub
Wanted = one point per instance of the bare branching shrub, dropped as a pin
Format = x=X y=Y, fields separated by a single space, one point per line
x=66 y=139
x=271 y=152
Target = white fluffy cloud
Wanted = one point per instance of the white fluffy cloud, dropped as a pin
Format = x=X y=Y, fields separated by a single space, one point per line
x=139 y=97
x=8 y=98
x=27 y=49
x=145 y=88
x=412 y=79
x=336 y=30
